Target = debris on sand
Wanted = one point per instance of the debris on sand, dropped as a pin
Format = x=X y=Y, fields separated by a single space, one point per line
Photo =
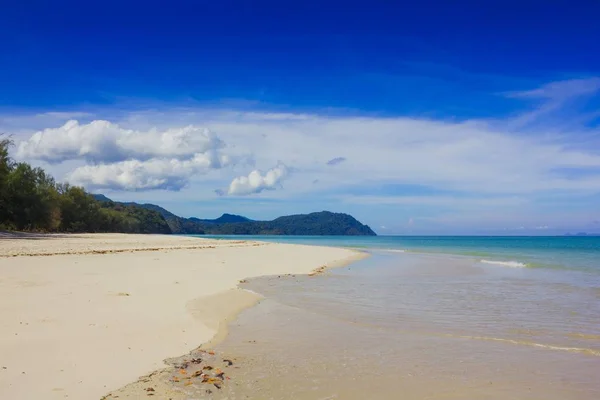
x=199 y=367
x=193 y=375
x=318 y=271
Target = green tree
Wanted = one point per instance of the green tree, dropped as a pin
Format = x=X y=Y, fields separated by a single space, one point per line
x=6 y=166
x=79 y=211
x=31 y=199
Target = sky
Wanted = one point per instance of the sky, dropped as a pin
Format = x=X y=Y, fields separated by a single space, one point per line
x=436 y=117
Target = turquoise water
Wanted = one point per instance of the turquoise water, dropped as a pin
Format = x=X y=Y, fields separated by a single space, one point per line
x=557 y=252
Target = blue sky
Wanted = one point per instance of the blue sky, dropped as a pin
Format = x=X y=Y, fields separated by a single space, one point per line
x=441 y=118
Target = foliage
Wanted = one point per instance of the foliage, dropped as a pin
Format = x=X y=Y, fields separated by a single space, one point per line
x=30 y=200
x=319 y=223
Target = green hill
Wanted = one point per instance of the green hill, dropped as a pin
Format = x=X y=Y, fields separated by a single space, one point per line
x=318 y=223
x=223 y=219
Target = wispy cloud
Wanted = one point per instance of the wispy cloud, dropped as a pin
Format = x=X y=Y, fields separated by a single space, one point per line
x=555 y=98
x=561 y=90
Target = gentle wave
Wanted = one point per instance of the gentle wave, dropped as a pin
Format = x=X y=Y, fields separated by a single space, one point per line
x=393 y=250
x=582 y=350
x=584 y=336
x=511 y=264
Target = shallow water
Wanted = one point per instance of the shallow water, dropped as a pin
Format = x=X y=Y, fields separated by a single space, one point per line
x=554 y=252
x=406 y=326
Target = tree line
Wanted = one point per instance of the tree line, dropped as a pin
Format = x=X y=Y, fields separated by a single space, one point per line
x=31 y=200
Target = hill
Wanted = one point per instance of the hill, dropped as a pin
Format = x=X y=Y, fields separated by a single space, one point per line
x=318 y=223
x=223 y=219
x=174 y=223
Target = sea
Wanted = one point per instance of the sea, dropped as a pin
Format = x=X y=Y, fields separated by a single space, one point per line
x=426 y=318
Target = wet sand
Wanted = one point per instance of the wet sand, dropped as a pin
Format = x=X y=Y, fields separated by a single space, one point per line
x=82 y=315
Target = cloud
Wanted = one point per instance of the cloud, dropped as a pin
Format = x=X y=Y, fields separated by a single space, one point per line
x=128 y=159
x=478 y=171
x=156 y=173
x=553 y=101
x=561 y=90
x=467 y=156
x=255 y=182
x=336 y=161
x=103 y=141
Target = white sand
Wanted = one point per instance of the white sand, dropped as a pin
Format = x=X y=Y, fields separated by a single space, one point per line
x=77 y=324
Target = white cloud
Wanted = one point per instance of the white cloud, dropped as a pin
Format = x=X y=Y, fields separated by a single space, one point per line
x=474 y=171
x=255 y=182
x=127 y=159
x=156 y=173
x=470 y=156
x=103 y=141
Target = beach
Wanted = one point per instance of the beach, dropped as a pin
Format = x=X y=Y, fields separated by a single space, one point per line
x=82 y=315
x=411 y=326
x=484 y=318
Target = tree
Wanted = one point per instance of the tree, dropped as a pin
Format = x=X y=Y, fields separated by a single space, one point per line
x=6 y=166
x=31 y=199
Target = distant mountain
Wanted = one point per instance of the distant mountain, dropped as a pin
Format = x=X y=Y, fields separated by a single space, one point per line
x=318 y=223
x=153 y=207
x=101 y=197
x=223 y=219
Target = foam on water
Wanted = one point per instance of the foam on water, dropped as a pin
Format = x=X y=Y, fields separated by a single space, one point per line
x=511 y=264
x=582 y=350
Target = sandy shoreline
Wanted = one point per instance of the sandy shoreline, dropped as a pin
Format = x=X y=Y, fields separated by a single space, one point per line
x=82 y=315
